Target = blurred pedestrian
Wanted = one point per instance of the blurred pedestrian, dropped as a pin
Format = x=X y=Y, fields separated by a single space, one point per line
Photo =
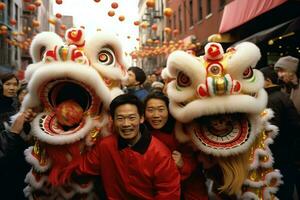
x=157 y=86
x=287 y=119
x=286 y=68
x=9 y=85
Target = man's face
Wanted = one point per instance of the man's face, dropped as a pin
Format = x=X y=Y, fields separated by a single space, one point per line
x=127 y=122
x=284 y=75
x=156 y=113
x=10 y=88
x=131 y=81
x=153 y=78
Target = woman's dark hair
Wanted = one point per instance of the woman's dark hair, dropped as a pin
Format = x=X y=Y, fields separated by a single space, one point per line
x=8 y=76
x=169 y=126
x=126 y=99
x=139 y=73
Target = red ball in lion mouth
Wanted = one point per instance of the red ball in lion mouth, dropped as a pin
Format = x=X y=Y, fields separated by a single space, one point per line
x=69 y=113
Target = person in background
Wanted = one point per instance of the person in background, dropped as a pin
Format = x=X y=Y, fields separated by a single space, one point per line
x=153 y=78
x=10 y=140
x=287 y=119
x=13 y=167
x=157 y=86
x=286 y=68
x=136 y=78
x=147 y=83
x=132 y=164
x=161 y=124
x=8 y=91
x=22 y=91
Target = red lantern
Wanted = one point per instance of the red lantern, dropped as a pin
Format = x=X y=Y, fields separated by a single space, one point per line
x=144 y=25
x=137 y=39
x=149 y=41
x=3 y=28
x=58 y=15
x=167 y=30
x=35 y=23
x=134 y=55
x=121 y=18
x=63 y=27
x=12 y=22
x=111 y=13
x=150 y=3
x=97 y=1
x=175 y=32
x=114 y=5
x=52 y=21
x=136 y=23
x=31 y=7
x=2 y=5
x=154 y=27
x=59 y=2
x=168 y=12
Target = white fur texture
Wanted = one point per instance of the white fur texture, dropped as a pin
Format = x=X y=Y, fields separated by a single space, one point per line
x=247 y=55
x=35 y=162
x=188 y=64
x=60 y=139
x=46 y=39
x=71 y=70
x=30 y=179
x=101 y=40
x=218 y=105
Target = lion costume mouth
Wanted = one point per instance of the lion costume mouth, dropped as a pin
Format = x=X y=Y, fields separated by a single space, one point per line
x=55 y=92
x=223 y=131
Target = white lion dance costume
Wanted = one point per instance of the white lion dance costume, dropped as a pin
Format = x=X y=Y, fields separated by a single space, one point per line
x=72 y=85
x=219 y=103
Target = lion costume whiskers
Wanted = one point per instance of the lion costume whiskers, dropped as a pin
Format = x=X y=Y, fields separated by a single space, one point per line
x=219 y=103
x=71 y=85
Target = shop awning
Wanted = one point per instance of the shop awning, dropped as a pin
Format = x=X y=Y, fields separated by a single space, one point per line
x=281 y=29
x=239 y=12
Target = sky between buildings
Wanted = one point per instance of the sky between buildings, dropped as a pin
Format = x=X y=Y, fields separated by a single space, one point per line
x=94 y=15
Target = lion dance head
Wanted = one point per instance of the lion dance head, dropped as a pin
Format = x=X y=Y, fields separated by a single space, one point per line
x=219 y=102
x=71 y=84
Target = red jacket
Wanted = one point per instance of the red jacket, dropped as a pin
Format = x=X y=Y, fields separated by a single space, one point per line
x=145 y=171
x=193 y=181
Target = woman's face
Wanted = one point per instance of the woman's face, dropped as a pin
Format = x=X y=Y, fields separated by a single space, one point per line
x=156 y=113
x=10 y=87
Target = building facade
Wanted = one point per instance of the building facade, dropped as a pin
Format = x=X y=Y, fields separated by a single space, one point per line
x=20 y=21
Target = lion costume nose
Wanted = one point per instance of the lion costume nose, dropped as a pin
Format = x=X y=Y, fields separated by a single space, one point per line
x=217 y=86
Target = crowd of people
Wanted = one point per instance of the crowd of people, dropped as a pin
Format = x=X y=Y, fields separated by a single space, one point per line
x=144 y=152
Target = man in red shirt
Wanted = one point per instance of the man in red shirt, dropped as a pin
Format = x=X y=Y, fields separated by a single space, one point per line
x=132 y=164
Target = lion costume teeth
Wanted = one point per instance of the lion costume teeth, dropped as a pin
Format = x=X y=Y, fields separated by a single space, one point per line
x=219 y=103
x=70 y=85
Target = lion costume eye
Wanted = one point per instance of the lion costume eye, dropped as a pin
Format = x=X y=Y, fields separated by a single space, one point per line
x=215 y=69
x=106 y=56
x=248 y=73
x=183 y=80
